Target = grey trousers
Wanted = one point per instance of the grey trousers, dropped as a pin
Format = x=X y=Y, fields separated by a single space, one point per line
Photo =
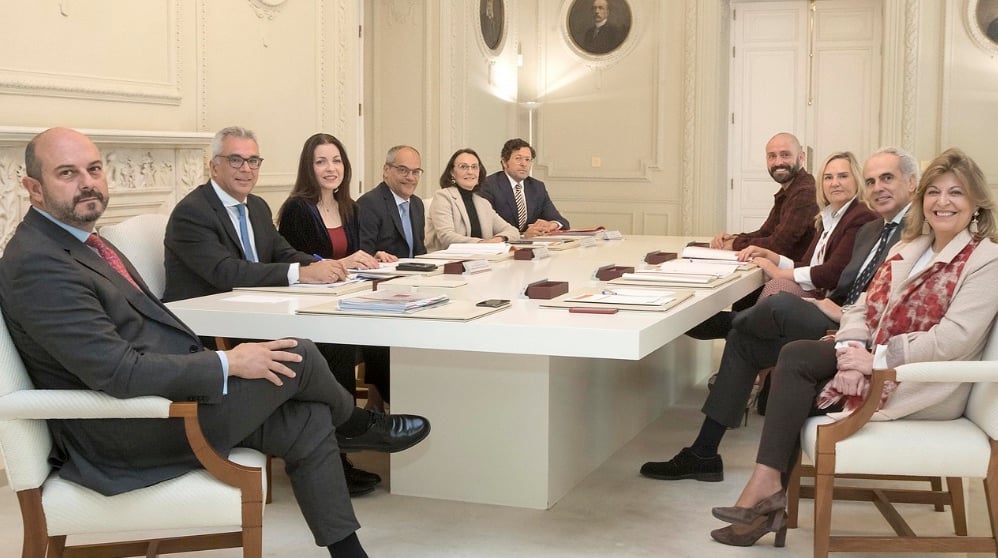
x=754 y=342
x=296 y=422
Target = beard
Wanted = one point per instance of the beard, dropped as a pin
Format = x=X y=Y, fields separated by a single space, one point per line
x=82 y=212
x=784 y=173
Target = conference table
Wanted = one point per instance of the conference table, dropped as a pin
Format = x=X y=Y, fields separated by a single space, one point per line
x=526 y=402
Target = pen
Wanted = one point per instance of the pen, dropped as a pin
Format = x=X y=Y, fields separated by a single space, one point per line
x=317 y=257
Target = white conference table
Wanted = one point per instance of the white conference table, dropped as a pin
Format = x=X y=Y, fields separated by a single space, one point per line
x=526 y=402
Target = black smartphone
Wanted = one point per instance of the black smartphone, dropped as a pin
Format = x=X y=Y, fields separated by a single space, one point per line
x=416 y=266
x=493 y=303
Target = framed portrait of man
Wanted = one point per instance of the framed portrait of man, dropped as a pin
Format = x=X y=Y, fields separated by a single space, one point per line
x=492 y=14
x=982 y=23
x=599 y=27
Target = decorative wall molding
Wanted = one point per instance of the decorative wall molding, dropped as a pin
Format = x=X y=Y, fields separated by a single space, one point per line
x=267 y=9
x=900 y=73
x=95 y=87
x=689 y=115
x=202 y=73
x=400 y=12
x=147 y=171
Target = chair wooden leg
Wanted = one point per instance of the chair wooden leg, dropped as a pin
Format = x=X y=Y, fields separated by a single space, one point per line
x=991 y=492
x=958 y=505
x=823 y=488
x=269 y=472
x=33 y=519
x=793 y=494
x=57 y=546
x=936 y=484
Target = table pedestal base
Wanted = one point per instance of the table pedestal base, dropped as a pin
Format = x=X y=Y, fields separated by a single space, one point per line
x=522 y=430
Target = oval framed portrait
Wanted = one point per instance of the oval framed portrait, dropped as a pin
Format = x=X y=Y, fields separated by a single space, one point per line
x=982 y=23
x=492 y=23
x=599 y=27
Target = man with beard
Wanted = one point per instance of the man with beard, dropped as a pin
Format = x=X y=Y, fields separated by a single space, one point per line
x=82 y=318
x=790 y=225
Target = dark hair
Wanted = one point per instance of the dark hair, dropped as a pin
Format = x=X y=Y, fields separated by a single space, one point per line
x=307 y=187
x=32 y=165
x=515 y=144
x=446 y=180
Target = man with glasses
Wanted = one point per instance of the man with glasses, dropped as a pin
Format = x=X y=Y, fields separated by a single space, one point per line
x=391 y=217
x=520 y=199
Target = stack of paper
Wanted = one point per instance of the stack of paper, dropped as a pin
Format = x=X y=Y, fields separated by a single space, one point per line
x=486 y=248
x=392 y=302
x=639 y=297
x=701 y=253
x=389 y=269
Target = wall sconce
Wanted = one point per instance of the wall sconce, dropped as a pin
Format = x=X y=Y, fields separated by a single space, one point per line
x=531 y=107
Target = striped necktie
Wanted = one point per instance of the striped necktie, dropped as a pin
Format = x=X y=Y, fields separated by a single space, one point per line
x=521 y=206
x=861 y=282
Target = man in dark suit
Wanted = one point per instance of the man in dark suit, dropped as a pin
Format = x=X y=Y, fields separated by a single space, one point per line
x=758 y=333
x=603 y=36
x=520 y=199
x=221 y=236
x=391 y=217
x=82 y=318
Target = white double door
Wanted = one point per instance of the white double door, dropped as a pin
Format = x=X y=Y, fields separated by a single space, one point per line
x=809 y=68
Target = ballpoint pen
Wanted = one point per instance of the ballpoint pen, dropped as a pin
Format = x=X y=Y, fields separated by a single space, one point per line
x=317 y=257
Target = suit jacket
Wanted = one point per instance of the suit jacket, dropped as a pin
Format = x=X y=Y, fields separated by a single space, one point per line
x=204 y=255
x=78 y=324
x=301 y=225
x=839 y=248
x=866 y=242
x=609 y=37
x=449 y=221
x=381 y=226
x=497 y=190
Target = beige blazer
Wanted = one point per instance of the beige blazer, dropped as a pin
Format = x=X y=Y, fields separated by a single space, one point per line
x=961 y=335
x=448 y=221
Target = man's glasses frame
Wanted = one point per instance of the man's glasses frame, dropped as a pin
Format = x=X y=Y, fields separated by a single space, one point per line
x=406 y=171
x=236 y=161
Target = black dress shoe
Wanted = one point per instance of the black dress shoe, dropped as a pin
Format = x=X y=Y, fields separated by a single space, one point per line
x=359 y=488
x=686 y=465
x=358 y=476
x=388 y=433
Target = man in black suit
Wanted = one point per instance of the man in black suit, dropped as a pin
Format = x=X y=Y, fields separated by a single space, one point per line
x=603 y=36
x=758 y=333
x=82 y=318
x=221 y=236
x=520 y=199
x=391 y=217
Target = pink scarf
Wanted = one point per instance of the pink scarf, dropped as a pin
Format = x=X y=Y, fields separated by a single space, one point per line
x=921 y=304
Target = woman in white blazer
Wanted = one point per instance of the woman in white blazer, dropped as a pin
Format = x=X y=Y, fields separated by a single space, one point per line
x=457 y=213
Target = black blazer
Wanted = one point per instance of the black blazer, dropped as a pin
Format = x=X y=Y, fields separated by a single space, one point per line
x=301 y=225
x=497 y=190
x=866 y=242
x=204 y=255
x=381 y=226
x=78 y=324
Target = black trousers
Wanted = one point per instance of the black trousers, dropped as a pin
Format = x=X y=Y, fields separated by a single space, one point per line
x=757 y=335
x=377 y=369
x=296 y=422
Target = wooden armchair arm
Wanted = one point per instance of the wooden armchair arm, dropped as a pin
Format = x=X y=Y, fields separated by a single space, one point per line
x=233 y=474
x=832 y=433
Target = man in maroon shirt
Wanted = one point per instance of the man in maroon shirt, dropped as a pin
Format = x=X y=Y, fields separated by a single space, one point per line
x=790 y=225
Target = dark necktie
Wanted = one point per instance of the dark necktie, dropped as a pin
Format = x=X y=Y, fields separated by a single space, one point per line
x=861 y=282
x=109 y=256
x=406 y=224
x=244 y=233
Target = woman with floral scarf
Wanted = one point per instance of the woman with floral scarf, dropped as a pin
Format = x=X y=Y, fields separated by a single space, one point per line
x=933 y=299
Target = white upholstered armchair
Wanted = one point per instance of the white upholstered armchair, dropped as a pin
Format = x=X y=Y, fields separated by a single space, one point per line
x=965 y=447
x=225 y=498
x=140 y=239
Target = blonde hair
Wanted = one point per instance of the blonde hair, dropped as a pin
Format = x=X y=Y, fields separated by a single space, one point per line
x=857 y=178
x=969 y=175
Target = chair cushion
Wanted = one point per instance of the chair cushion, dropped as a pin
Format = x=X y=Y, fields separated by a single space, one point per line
x=190 y=501
x=950 y=448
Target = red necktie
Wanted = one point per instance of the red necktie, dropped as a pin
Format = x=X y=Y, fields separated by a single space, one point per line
x=110 y=257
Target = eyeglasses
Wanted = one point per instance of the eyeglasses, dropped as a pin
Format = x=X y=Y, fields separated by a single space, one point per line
x=236 y=161
x=521 y=159
x=466 y=167
x=406 y=171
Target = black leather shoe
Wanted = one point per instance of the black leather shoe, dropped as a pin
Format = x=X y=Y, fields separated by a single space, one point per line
x=686 y=465
x=359 y=488
x=358 y=476
x=388 y=433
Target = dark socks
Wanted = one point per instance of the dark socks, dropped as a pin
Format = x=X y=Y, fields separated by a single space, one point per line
x=707 y=442
x=347 y=548
x=358 y=423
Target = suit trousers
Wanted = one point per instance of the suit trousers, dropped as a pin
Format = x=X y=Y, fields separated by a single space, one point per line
x=296 y=422
x=377 y=369
x=754 y=342
x=802 y=371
